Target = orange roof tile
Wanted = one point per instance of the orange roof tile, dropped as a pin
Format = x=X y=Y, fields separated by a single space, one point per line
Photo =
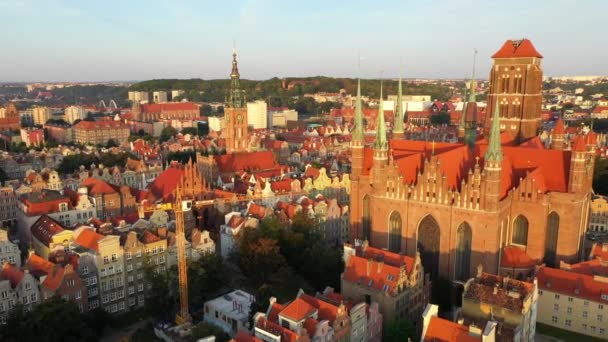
x=327 y=311
x=442 y=330
x=11 y=273
x=38 y=265
x=572 y=284
x=88 y=238
x=245 y=161
x=516 y=257
x=298 y=310
x=97 y=186
x=516 y=49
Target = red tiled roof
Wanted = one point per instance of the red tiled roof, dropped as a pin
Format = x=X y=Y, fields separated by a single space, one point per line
x=579 y=144
x=598 y=252
x=379 y=275
x=516 y=49
x=88 y=238
x=164 y=185
x=11 y=273
x=310 y=324
x=275 y=329
x=243 y=336
x=169 y=106
x=148 y=237
x=442 y=330
x=298 y=310
x=54 y=278
x=559 y=127
x=327 y=311
x=275 y=309
x=44 y=228
x=390 y=258
x=516 y=257
x=97 y=186
x=38 y=265
x=572 y=284
x=44 y=202
x=245 y=161
x=256 y=211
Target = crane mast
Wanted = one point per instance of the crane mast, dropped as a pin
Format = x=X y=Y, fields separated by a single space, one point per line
x=178 y=208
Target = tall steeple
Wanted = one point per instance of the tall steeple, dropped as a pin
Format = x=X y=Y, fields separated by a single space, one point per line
x=398 y=120
x=470 y=114
x=358 y=132
x=235 y=97
x=494 y=152
x=381 y=143
x=463 y=113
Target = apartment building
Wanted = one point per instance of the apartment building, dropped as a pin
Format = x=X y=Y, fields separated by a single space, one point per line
x=100 y=132
x=575 y=298
x=141 y=250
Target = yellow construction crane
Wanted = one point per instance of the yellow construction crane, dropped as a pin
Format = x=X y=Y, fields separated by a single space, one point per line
x=179 y=206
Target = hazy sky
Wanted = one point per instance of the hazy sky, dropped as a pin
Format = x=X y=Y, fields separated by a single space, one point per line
x=79 y=40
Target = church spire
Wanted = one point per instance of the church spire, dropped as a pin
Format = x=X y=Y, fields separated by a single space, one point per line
x=464 y=108
x=494 y=152
x=381 y=143
x=472 y=94
x=235 y=98
x=398 y=121
x=358 y=133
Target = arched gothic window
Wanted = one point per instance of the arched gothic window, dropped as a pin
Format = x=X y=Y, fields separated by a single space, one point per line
x=520 y=231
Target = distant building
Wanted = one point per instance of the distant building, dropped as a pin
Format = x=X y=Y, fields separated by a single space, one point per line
x=215 y=123
x=159 y=96
x=257 y=114
x=22 y=288
x=41 y=115
x=139 y=96
x=32 y=136
x=59 y=132
x=166 y=111
x=278 y=117
x=100 y=132
x=9 y=117
x=176 y=93
x=230 y=312
x=73 y=113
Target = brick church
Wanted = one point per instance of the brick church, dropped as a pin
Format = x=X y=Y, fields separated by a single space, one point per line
x=500 y=200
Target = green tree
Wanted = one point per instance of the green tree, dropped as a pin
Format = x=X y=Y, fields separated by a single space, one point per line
x=112 y=143
x=259 y=257
x=3 y=176
x=161 y=297
x=53 y=320
x=440 y=118
x=205 y=329
x=190 y=130
x=167 y=133
x=205 y=277
x=600 y=176
x=399 y=331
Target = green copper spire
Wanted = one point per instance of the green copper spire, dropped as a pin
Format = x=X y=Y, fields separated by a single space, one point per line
x=399 y=109
x=236 y=98
x=494 y=152
x=358 y=133
x=381 y=143
x=464 y=107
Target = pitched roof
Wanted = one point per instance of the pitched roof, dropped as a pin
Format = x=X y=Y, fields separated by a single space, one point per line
x=38 y=265
x=516 y=257
x=11 y=273
x=164 y=185
x=243 y=336
x=275 y=329
x=44 y=228
x=88 y=238
x=168 y=107
x=97 y=186
x=572 y=284
x=148 y=237
x=327 y=311
x=245 y=161
x=298 y=310
x=370 y=273
x=516 y=49
x=442 y=330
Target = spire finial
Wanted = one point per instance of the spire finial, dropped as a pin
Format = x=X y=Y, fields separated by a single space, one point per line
x=381 y=142
x=473 y=95
x=494 y=152
x=398 y=118
x=433 y=147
